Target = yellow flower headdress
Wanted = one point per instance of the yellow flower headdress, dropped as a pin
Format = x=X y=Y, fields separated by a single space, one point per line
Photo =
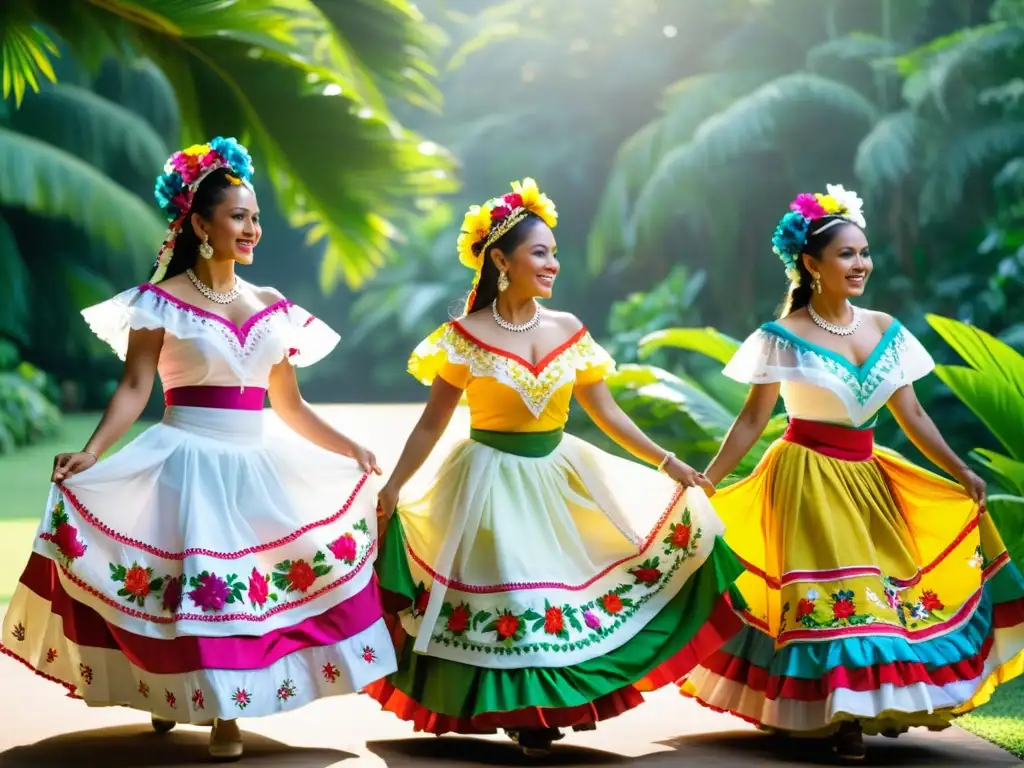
x=485 y=224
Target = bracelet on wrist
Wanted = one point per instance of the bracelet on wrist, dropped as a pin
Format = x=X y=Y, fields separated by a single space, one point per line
x=665 y=460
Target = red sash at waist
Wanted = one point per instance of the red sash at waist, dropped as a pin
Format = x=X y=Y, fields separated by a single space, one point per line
x=831 y=440
x=228 y=398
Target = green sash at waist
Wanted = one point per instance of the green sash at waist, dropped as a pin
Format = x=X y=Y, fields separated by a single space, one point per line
x=530 y=445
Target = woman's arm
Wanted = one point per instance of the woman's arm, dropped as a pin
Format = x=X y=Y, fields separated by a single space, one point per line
x=745 y=431
x=125 y=406
x=601 y=407
x=444 y=399
x=287 y=402
x=923 y=433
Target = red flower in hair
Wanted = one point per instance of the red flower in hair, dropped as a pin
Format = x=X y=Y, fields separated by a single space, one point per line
x=499 y=212
x=514 y=200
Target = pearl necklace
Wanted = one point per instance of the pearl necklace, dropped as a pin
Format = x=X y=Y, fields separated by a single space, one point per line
x=838 y=330
x=529 y=325
x=212 y=295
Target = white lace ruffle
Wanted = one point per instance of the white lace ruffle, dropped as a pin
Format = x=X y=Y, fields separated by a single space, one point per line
x=299 y=335
x=771 y=355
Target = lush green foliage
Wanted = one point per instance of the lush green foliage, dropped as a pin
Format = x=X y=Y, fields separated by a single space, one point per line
x=304 y=83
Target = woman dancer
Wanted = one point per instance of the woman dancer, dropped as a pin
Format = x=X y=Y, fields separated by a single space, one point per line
x=205 y=572
x=545 y=581
x=880 y=596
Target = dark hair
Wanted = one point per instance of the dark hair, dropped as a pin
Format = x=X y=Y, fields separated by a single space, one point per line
x=487 y=288
x=208 y=196
x=799 y=294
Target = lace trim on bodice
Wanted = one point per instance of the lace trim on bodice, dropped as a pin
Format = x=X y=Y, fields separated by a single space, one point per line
x=535 y=384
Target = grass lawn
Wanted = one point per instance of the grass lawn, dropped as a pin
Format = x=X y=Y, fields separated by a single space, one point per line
x=25 y=478
x=1001 y=721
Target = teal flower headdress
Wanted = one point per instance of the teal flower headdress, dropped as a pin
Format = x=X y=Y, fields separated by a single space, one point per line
x=791 y=233
x=183 y=173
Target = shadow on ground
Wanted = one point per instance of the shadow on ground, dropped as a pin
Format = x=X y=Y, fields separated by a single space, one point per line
x=704 y=750
x=140 y=747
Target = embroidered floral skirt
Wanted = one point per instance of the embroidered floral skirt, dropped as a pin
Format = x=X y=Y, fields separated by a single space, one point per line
x=541 y=582
x=876 y=591
x=205 y=571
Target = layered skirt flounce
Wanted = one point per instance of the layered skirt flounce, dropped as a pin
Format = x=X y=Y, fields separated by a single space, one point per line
x=539 y=582
x=206 y=570
x=876 y=591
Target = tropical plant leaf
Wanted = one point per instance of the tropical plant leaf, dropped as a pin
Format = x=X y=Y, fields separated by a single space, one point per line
x=706 y=341
x=687 y=104
x=1008 y=514
x=932 y=68
x=1010 y=472
x=994 y=402
x=854 y=47
x=969 y=151
x=50 y=182
x=93 y=128
x=982 y=351
x=25 y=52
x=890 y=152
x=774 y=113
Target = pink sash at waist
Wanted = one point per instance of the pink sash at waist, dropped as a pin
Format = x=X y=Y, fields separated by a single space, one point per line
x=228 y=398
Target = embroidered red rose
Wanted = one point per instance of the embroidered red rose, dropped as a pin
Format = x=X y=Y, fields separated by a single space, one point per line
x=647 y=575
x=553 y=620
x=458 y=621
x=301 y=576
x=508 y=625
x=930 y=601
x=344 y=548
x=258 y=589
x=67 y=541
x=804 y=608
x=169 y=697
x=197 y=699
x=421 y=602
x=843 y=609
x=681 y=536
x=612 y=603
x=330 y=672
x=136 y=581
x=369 y=655
x=51 y=656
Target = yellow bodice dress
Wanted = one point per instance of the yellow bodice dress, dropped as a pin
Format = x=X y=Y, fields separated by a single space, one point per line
x=875 y=590
x=544 y=582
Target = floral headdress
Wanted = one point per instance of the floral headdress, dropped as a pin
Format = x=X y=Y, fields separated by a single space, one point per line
x=791 y=233
x=183 y=173
x=485 y=224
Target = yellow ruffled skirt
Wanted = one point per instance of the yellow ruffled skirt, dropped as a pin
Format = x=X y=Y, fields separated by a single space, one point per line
x=876 y=591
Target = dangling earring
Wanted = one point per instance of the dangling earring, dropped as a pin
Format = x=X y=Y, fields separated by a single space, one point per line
x=503 y=282
x=205 y=249
x=816 y=285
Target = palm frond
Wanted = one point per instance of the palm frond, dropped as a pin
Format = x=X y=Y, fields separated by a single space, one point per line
x=966 y=154
x=92 y=128
x=931 y=69
x=869 y=49
x=890 y=152
x=25 y=52
x=48 y=181
x=688 y=103
x=770 y=118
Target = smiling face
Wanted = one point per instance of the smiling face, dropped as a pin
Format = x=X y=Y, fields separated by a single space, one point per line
x=533 y=265
x=844 y=264
x=234 y=226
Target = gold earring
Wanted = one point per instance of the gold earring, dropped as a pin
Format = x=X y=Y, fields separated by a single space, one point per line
x=205 y=249
x=816 y=285
x=503 y=282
